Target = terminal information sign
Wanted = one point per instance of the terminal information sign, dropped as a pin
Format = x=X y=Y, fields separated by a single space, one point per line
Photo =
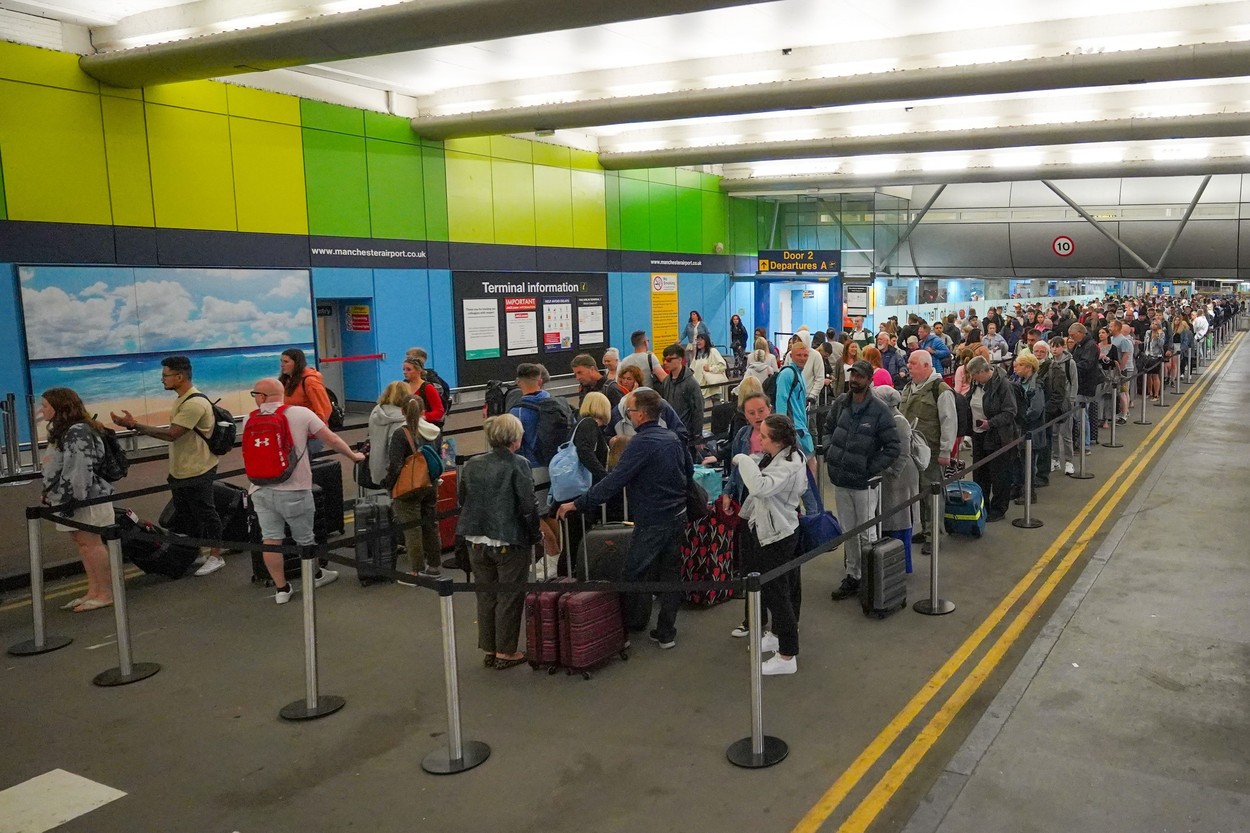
x=800 y=260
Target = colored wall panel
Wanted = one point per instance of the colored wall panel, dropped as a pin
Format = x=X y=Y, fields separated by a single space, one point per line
x=44 y=66
x=479 y=145
x=554 y=155
x=584 y=160
x=636 y=308
x=13 y=344
x=396 y=198
x=52 y=145
x=391 y=128
x=361 y=380
x=209 y=96
x=742 y=303
x=469 y=215
x=337 y=182
x=686 y=178
x=664 y=176
x=512 y=192
x=507 y=147
x=192 y=176
x=635 y=214
x=709 y=182
x=4 y=210
x=333 y=282
x=663 y=217
x=442 y=343
x=690 y=221
x=396 y=294
x=262 y=105
x=553 y=206
x=333 y=117
x=714 y=220
x=268 y=177
x=612 y=209
x=590 y=218
x=126 y=151
x=434 y=172
x=642 y=175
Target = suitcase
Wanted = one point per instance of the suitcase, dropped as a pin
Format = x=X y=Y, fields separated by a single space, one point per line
x=542 y=628
x=603 y=550
x=152 y=557
x=883 y=574
x=965 y=509
x=376 y=538
x=234 y=508
x=590 y=631
x=447 y=502
x=328 y=474
x=707 y=554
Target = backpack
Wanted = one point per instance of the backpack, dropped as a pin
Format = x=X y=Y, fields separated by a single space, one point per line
x=920 y=451
x=337 y=416
x=770 y=386
x=497 y=394
x=444 y=389
x=963 y=410
x=1022 y=404
x=115 y=464
x=555 y=421
x=225 y=430
x=268 y=449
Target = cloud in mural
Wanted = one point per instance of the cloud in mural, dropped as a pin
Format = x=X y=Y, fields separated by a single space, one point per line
x=292 y=286
x=59 y=324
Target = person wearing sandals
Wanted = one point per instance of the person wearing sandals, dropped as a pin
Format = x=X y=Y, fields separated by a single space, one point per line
x=499 y=521
x=71 y=473
x=416 y=511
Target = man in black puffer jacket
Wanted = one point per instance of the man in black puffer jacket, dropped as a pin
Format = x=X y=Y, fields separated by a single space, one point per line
x=862 y=443
x=1088 y=376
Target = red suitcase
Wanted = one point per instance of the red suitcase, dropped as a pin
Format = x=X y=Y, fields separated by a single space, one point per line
x=447 y=502
x=591 y=630
x=542 y=628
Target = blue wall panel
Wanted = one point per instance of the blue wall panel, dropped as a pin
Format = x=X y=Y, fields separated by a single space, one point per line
x=636 y=307
x=342 y=283
x=401 y=299
x=742 y=297
x=13 y=376
x=689 y=297
x=442 y=343
x=618 y=334
x=716 y=307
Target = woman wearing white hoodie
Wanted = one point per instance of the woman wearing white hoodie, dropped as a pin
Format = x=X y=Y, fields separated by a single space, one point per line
x=417 y=511
x=384 y=419
x=775 y=486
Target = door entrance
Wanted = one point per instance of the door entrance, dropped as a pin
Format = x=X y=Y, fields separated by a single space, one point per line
x=330 y=346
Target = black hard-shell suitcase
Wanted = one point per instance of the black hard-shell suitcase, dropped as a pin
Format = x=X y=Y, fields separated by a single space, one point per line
x=234 y=508
x=883 y=572
x=603 y=551
x=375 y=541
x=328 y=474
x=152 y=557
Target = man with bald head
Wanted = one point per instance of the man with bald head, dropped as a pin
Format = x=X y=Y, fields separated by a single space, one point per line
x=290 y=503
x=929 y=404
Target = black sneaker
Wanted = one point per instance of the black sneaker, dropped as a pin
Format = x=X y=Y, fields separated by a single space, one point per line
x=671 y=642
x=848 y=589
x=919 y=538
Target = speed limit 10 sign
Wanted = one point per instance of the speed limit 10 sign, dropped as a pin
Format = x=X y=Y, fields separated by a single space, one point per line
x=1062 y=245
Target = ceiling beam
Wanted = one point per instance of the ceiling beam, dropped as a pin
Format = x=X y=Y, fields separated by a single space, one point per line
x=1176 y=63
x=404 y=27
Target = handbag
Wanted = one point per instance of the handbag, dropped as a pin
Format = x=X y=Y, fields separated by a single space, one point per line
x=415 y=473
x=569 y=478
x=819 y=528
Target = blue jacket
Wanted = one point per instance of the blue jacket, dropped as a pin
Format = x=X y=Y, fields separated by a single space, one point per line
x=655 y=468
x=940 y=351
x=895 y=363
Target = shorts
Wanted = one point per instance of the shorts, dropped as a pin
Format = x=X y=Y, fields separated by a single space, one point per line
x=276 y=508
x=99 y=515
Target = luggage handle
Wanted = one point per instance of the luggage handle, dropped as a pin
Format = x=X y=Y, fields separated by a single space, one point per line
x=874 y=488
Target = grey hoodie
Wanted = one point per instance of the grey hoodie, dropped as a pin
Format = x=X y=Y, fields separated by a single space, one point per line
x=383 y=421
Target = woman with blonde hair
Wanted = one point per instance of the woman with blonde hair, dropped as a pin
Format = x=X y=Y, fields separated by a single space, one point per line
x=387 y=415
x=416 y=511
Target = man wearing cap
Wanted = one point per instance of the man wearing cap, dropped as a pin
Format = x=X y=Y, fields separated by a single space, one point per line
x=862 y=443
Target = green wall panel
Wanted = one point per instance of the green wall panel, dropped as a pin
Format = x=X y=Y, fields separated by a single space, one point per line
x=663 y=217
x=635 y=214
x=269 y=190
x=52 y=144
x=391 y=128
x=664 y=176
x=742 y=227
x=43 y=66
x=396 y=195
x=192 y=176
x=688 y=179
x=642 y=175
x=434 y=168
x=262 y=105
x=709 y=182
x=612 y=209
x=334 y=117
x=209 y=96
x=507 y=147
x=715 y=226
x=690 y=221
x=479 y=145
x=555 y=155
x=337 y=184
x=584 y=160
x=126 y=150
x=590 y=218
x=553 y=206
x=469 y=215
x=4 y=209
x=512 y=192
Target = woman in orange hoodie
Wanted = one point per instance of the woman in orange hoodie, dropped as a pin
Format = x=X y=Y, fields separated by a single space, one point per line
x=302 y=385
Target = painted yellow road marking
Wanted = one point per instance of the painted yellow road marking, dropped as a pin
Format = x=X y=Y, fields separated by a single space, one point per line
x=64 y=590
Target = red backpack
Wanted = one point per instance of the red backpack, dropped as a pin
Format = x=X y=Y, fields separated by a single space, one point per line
x=268 y=450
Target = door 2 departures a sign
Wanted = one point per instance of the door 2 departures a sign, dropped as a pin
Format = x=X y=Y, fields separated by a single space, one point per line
x=1062 y=245
x=800 y=260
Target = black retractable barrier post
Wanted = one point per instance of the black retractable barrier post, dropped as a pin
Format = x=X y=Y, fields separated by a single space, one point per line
x=1028 y=521
x=759 y=750
x=935 y=605
x=460 y=755
x=42 y=643
x=1081 y=451
x=1142 y=419
x=314 y=704
x=126 y=671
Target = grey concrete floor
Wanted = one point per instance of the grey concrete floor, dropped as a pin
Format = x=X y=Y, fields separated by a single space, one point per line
x=199 y=747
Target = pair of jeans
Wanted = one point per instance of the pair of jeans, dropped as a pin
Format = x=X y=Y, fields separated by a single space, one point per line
x=995 y=477
x=653 y=556
x=195 y=511
x=855 y=506
x=782 y=596
x=421 y=538
x=499 y=614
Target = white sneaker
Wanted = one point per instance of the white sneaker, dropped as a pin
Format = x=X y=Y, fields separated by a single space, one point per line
x=1068 y=468
x=740 y=632
x=1054 y=464
x=777 y=665
x=211 y=565
x=284 y=596
x=769 y=643
x=325 y=577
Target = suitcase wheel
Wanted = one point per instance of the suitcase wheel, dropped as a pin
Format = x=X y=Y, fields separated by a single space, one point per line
x=585 y=675
x=552 y=670
x=976 y=532
x=624 y=655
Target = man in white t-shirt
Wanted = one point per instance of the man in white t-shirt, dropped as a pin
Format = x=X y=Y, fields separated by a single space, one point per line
x=653 y=372
x=290 y=502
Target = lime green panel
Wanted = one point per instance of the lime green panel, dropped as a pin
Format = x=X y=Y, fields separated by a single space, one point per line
x=209 y=96
x=396 y=193
x=469 y=216
x=665 y=176
x=709 y=182
x=643 y=175
x=52 y=142
x=715 y=228
x=391 y=128
x=322 y=116
x=612 y=203
x=687 y=178
x=269 y=177
x=512 y=189
x=121 y=92
x=584 y=160
x=553 y=206
x=126 y=150
x=262 y=105
x=506 y=147
x=479 y=145
x=554 y=155
x=663 y=217
x=337 y=182
x=434 y=166
x=690 y=221
x=4 y=211
x=635 y=214
x=44 y=66
x=590 y=219
x=743 y=226
x=192 y=176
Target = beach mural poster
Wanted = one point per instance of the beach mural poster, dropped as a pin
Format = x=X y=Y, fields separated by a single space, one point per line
x=104 y=330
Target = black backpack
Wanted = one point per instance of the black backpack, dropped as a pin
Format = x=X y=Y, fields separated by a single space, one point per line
x=337 y=415
x=497 y=395
x=963 y=410
x=115 y=465
x=225 y=429
x=444 y=389
x=555 y=422
x=770 y=386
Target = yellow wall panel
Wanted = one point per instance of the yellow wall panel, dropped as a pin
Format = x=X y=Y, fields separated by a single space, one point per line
x=268 y=161
x=43 y=66
x=590 y=219
x=209 y=96
x=469 y=216
x=52 y=144
x=192 y=176
x=508 y=147
x=553 y=206
x=126 y=148
x=479 y=145
x=512 y=193
x=262 y=105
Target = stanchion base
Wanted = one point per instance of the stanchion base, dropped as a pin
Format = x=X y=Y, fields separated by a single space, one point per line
x=114 y=676
x=1112 y=445
x=1142 y=422
x=1076 y=475
x=439 y=762
x=326 y=704
x=1163 y=404
x=30 y=649
x=739 y=753
x=1023 y=524
x=934 y=607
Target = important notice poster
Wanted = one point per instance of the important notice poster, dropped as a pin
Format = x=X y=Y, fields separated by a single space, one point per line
x=506 y=318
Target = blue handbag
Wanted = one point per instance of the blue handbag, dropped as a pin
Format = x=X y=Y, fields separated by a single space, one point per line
x=821 y=527
x=711 y=481
x=569 y=478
